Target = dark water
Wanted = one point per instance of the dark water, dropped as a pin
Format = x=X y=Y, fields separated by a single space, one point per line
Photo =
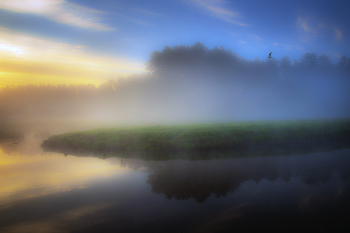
x=51 y=192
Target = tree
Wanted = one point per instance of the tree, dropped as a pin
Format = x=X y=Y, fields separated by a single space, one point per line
x=309 y=61
x=344 y=63
x=195 y=61
x=324 y=61
x=285 y=64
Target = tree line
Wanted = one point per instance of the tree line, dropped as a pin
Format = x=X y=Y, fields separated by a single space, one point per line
x=199 y=62
x=192 y=82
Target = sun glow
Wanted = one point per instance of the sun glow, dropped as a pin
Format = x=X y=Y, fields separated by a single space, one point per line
x=15 y=50
x=30 y=60
x=60 y=11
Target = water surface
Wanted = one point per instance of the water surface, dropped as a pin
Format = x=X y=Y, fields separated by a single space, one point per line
x=51 y=192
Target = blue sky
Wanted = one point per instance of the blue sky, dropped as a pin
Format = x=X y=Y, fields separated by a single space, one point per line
x=101 y=33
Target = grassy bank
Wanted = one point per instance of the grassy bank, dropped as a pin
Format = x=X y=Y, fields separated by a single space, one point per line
x=206 y=137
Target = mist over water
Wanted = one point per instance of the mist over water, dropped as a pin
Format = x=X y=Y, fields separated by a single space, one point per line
x=187 y=84
x=52 y=192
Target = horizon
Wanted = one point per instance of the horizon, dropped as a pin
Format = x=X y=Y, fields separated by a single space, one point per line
x=82 y=42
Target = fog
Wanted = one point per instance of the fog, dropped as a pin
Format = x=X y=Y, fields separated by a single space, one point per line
x=194 y=84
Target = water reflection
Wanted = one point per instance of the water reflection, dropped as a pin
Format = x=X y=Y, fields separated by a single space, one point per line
x=26 y=171
x=50 y=192
x=181 y=179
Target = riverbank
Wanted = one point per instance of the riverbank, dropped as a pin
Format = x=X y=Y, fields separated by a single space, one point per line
x=206 y=137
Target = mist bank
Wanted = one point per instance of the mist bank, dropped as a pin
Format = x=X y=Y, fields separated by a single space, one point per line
x=7 y=134
x=187 y=84
x=280 y=136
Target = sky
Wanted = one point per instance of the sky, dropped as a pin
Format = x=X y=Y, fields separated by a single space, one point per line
x=89 y=41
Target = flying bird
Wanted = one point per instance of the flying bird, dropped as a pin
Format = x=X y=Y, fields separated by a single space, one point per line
x=269 y=55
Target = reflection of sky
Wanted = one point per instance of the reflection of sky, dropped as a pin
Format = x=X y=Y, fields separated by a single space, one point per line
x=23 y=177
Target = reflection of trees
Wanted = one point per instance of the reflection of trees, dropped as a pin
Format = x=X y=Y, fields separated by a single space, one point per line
x=183 y=179
x=312 y=170
x=199 y=179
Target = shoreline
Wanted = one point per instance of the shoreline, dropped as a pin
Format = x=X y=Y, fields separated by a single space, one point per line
x=272 y=135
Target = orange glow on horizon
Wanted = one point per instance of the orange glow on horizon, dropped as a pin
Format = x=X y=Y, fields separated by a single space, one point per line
x=10 y=79
x=29 y=60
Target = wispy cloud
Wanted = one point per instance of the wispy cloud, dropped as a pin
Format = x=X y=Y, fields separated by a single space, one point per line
x=254 y=36
x=147 y=12
x=218 y=8
x=309 y=28
x=338 y=34
x=306 y=25
x=25 y=56
x=302 y=22
x=59 y=11
x=287 y=46
x=137 y=21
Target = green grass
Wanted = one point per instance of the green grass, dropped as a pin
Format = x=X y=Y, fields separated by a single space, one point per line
x=206 y=137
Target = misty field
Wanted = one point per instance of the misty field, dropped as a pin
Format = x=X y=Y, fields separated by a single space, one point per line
x=205 y=137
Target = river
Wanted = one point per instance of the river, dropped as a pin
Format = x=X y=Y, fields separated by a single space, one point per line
x=44 y=191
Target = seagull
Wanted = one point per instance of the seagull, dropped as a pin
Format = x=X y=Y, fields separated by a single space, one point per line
x=269 y=55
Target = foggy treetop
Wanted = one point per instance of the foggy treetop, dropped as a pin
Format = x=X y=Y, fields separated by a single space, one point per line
x=197 y=61
x=194 y=82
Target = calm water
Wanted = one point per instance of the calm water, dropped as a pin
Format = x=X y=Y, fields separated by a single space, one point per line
x=51 y=192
